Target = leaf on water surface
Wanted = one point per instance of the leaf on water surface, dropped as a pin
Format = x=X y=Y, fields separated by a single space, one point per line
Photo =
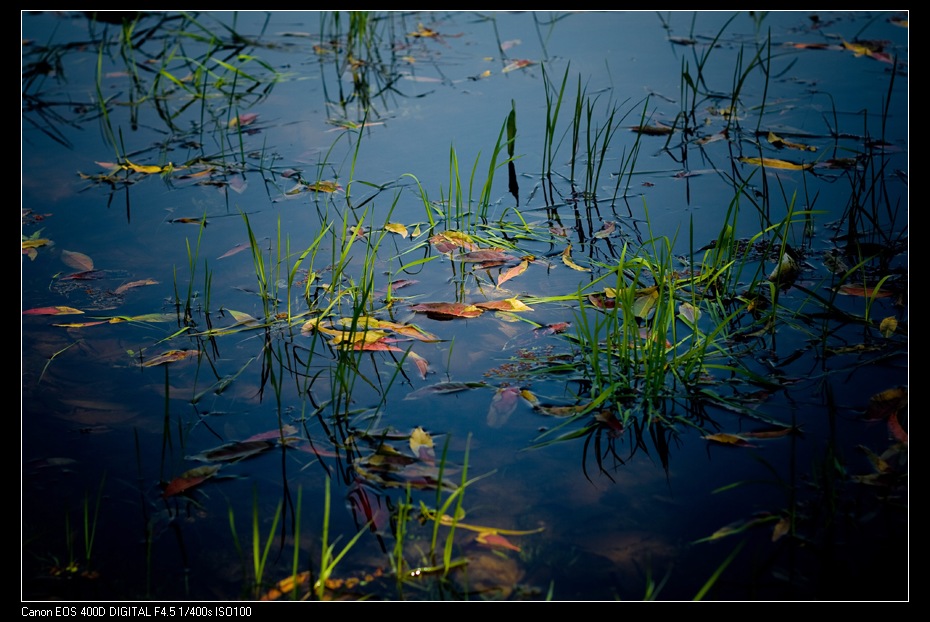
x=78 y=261
x=421 y=444
x=653 y=130
x=733 y=440
x=782 y=527
x=33 y=243
x=508 y=304
x=897 y=431
x=246 y=118
x=872 y=49
x=232 y=452
x=888 y=402
x=190 y=479
x=448 y=241
x=567 y=260
x=689 y=313
x=449 y=309
x=644 y=302
x=778 y=141
x=888 y=326
x=778 y=432
x=487 y=255
x=171 y=356
x=441 y=388
x=421 y=363
x=515 y=271
x=323 y=186
x=52 y=311
x=423 y=32
x=517 y=64
x=849 y=289
x=606 y=230
x=147 y=169
x=552 y=329
x=775 y=163
x=397 y=228
x=242 y=318
x=140 y=283
x=187 y=220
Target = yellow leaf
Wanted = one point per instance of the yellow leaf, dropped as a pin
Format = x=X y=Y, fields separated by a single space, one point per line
x=774 y=163
x=567 y=260
x=888 y=326
x=420 y=438
x=780 y=142
x=145 y=169
x=36 y=243
x=396 y=228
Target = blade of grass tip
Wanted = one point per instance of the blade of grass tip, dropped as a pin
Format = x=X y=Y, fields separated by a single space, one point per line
x=719 y=571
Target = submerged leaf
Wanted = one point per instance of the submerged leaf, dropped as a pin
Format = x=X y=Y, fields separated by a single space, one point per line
x=503 y=404
x=190 y=479
x=233 y=452
x=78 y=261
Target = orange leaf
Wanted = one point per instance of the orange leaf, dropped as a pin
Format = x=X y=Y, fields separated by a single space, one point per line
x=190 y=479
x=494 y=539
x=509 y=304
x=728 y=439
x=849 y=289
x=513 y=272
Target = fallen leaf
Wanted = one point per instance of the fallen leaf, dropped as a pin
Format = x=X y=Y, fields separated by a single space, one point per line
x=513 y=272
x=775 y=163
x=190 y=479
x=567 y=260
x=233 y=452
x=509 y=304
x=503 y=404
x=399 y=229
x=447 y=309
x=733 y=440
x=52 y=311
x=171 y=356
x=127 y=286
x=78 y=261
x=888 y=326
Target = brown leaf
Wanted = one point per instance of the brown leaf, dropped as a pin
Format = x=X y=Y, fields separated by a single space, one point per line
x=127 y=286
x=732 y=440
x=78 y=261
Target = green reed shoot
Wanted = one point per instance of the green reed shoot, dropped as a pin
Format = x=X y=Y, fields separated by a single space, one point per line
x=259 y=552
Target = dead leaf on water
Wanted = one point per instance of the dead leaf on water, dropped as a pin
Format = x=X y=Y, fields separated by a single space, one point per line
x=78 y=261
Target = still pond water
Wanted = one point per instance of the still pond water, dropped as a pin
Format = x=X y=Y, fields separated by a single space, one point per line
x=215 y=204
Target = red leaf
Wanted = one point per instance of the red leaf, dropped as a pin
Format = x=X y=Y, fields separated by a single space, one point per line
x=494 y=539
x=52 y=311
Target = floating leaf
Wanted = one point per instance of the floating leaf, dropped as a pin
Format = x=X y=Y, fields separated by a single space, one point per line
x=517 y=64
x=190 y=479
x=448 y=241
x=149 y=169
x=78 y=261
x=244 y=119
x=82 y=324
x=653 y=130
x=509 y=304
x=644 y=302
x=34 y=243
x=441 y=388
x=774 y=163
x=689 y=313
x=127 y=286
x=888 y=326
x=423 y=31
x=782 y=527
x=567 y=260
x=848 y=289
x=399 y=229
x=733 y=440
x=487 y=255
x=421 y=363
x=888 y=402
x=323 y=186
x=233 y=452
x=513 y=272
x=171 y=356
x=447 y=309
x=778 y=141
x=187 y=220
x=420 y=442
x=52 y=311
